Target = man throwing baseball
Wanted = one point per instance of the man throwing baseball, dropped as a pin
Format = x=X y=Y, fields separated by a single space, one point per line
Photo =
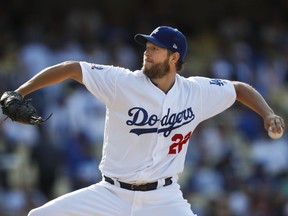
x=151 y=114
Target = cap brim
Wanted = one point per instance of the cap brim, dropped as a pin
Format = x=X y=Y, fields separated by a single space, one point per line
x=142 y=39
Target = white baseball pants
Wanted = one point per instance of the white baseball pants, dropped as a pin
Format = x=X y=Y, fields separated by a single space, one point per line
x=105 y=199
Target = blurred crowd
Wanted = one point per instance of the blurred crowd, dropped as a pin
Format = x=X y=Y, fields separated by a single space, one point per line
x=232 y=167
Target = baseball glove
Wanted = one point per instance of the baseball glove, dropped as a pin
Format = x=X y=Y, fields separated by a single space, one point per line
x=15 y=107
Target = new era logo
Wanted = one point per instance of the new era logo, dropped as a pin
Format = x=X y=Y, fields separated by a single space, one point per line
x=175 y=46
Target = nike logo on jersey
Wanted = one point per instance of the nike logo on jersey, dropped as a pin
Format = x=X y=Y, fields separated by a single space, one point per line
x=169 y=122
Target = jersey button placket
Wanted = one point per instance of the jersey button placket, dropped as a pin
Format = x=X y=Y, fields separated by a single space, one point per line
x=161 y=139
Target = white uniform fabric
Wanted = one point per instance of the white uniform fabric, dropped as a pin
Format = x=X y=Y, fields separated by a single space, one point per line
x=104 y=199
x=146 y=139
x=147 y=131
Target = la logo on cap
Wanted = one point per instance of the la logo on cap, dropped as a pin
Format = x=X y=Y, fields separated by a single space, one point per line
x=165 y=37
x=155 y=31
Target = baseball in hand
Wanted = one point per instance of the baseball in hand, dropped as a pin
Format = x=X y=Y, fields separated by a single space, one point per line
x=274 y=135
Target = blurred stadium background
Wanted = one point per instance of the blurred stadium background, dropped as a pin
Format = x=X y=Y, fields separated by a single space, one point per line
x=232 y=168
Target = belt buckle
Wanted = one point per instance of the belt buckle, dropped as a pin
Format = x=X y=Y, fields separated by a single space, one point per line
x=143 y=187
x=132 y=187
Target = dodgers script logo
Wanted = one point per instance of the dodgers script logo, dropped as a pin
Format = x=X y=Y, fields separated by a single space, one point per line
x=170 y=121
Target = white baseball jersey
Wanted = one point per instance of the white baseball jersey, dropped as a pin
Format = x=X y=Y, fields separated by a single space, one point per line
x=147 y=131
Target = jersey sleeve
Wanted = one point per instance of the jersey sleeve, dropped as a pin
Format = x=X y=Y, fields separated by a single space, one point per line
x=217 y=95
x=101 y=80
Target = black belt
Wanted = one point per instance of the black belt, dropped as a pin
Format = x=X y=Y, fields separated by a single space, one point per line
x=142 y=187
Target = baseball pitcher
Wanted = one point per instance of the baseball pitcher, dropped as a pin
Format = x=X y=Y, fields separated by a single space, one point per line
x=151 y=115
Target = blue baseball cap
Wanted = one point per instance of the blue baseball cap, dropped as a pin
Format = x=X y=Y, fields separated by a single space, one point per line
x=165 y=37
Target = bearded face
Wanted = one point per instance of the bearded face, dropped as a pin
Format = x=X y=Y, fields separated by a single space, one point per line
x=157 y=71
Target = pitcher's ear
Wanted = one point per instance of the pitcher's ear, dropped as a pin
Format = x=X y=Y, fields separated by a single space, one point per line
x=175 y=56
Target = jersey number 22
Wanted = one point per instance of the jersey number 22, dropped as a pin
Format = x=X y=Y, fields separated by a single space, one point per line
x=179 y=140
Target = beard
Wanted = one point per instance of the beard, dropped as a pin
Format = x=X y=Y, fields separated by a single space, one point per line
x=157 y=71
